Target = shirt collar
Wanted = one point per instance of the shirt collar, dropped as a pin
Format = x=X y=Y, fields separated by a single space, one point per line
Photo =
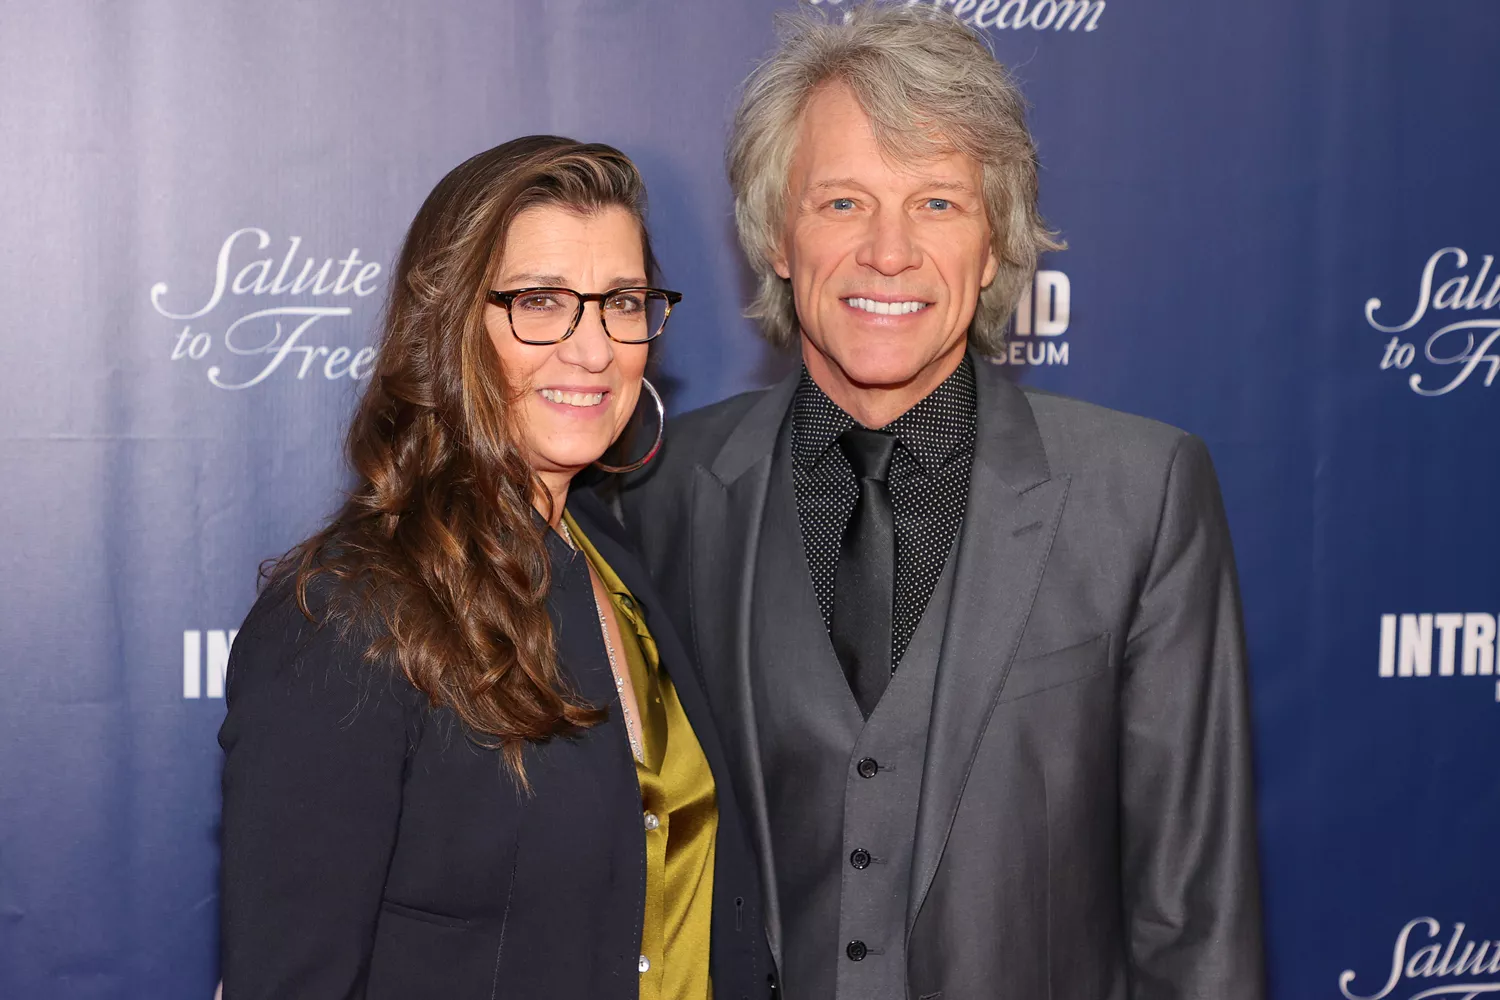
x=625 y=604
x=939 y=425
x=817 y=422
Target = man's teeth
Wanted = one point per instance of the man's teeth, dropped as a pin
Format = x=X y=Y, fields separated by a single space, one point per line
x=886 y=308
x=573 y=398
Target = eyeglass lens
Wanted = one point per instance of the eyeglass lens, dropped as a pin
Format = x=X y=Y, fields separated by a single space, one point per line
x=631 y=316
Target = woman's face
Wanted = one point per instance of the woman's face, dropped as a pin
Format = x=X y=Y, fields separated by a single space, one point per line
x=575 y=397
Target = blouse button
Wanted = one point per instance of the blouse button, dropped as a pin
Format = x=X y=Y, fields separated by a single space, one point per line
x=644 y=965
x=651 y=824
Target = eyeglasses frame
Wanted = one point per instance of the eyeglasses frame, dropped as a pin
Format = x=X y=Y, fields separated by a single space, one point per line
x=505 y=299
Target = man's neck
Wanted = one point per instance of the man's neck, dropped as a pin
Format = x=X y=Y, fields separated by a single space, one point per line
x=874 y=406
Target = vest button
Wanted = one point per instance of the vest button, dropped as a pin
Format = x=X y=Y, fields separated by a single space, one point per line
x=868 y=767
x=860 y=858
x=856 y=951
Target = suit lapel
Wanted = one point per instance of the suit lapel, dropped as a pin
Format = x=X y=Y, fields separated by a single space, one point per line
x=1014 y=507
x=729 y=502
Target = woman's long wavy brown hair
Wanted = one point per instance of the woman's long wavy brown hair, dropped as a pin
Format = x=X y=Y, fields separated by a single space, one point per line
x=439 y=544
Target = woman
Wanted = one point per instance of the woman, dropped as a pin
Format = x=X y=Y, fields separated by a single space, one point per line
x=465 y=754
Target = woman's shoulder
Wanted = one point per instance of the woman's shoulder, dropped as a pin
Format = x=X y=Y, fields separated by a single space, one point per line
x=324 y=642
x=309 y=714
x=287 y=621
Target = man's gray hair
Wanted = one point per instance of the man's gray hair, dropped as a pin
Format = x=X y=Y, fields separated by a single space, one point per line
x=929 y=85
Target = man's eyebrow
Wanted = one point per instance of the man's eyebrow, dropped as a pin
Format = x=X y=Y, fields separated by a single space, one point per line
x=926 y=183
x=835 y=182
x=935 y=184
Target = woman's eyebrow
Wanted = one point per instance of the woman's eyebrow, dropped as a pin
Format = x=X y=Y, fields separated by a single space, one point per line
x=536 y=279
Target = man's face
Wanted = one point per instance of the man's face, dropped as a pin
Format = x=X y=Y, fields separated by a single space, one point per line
x=886 y=259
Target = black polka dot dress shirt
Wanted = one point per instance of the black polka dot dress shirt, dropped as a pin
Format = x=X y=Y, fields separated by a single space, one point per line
x=928 y=484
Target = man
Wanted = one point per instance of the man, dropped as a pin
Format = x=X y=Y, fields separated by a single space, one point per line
x=976 y=649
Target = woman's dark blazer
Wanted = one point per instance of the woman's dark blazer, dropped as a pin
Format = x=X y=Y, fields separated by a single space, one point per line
x=371 y=851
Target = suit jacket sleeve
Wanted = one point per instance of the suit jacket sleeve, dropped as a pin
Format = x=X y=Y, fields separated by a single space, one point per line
x=315 y=746
x=1188 y=822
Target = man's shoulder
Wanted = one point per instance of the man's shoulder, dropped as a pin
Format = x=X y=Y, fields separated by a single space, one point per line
x=1124 y=468
x=690 y=439
x=1124 y=452
x=716 y=421
x=1066 y=420
x=695 y=437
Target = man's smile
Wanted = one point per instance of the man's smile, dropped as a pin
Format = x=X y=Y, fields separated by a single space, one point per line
x=900 y=308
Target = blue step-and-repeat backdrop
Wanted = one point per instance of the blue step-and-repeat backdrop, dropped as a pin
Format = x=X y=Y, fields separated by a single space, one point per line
x=1283 y=221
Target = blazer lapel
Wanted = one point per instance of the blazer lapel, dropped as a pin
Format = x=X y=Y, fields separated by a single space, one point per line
x=1014 y=507
x=729 y=502
x=605 y=534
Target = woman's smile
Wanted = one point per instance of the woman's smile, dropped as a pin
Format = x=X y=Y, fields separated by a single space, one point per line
x=588 y=402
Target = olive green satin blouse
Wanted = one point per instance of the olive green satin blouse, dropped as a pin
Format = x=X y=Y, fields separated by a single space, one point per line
x=679 y=810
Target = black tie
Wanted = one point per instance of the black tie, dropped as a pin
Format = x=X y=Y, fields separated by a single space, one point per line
x=864 y=588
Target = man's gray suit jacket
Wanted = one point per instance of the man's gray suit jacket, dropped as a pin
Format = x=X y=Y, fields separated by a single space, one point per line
x=1086 y=827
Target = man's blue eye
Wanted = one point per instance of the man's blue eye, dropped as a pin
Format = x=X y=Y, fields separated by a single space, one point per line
x=842 y=204
x=940 y=204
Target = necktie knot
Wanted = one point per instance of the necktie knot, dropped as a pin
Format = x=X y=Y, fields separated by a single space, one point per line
x=869 y=452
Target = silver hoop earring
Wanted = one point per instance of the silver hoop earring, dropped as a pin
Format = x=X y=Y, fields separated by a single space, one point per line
x=661 y=427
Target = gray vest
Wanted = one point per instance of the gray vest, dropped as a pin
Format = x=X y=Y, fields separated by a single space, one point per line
x=841 y=790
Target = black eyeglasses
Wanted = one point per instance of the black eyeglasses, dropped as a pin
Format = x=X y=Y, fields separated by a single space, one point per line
x=550 y=315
